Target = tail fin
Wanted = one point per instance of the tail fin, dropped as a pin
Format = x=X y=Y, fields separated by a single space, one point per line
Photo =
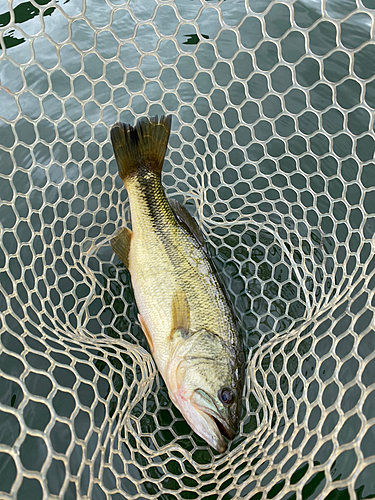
x=141 y=146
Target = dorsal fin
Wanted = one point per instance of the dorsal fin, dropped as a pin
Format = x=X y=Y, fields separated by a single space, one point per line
x=187 y=221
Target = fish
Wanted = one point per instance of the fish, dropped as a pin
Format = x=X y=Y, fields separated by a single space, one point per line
x=184 y=311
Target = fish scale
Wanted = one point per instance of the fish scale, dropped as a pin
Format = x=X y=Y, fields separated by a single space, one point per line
x=179 y=260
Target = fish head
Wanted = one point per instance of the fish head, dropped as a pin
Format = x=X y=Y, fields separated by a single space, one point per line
x=208 y=392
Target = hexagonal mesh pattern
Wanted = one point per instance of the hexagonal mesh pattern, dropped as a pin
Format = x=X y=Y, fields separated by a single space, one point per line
x=271 y=150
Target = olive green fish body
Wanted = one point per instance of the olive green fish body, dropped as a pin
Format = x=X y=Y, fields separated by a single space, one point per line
x=184 y=311
x=164 y=259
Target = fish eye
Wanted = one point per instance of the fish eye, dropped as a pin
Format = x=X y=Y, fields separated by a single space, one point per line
x=226 y=395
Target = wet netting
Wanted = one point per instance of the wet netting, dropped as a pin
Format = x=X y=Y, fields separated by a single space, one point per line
x=272 y=150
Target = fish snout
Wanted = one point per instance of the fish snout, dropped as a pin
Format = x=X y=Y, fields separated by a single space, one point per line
x=201 y=421
x=224 y=417
x=227 y=422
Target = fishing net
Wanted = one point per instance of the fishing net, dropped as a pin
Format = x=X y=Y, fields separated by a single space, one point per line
x=271 y=150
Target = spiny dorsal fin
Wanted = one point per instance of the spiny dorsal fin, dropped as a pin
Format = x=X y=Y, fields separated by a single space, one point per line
x=187 y=221
x=142 y=146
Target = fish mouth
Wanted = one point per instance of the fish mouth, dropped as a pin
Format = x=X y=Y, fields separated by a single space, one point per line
x=217 y=432
x=205 y=422
x=225 y=430
x=221 y=418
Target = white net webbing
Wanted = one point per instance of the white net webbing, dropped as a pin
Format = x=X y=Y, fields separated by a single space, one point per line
x=272 y=150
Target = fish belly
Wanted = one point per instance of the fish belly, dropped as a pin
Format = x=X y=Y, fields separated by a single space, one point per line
x=154 y=284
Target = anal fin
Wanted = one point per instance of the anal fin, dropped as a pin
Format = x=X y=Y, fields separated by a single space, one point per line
x=120 y=244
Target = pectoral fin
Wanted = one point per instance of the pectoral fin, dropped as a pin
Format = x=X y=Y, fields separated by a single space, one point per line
x=180 y=314
x=146 y=332
x=120 y=244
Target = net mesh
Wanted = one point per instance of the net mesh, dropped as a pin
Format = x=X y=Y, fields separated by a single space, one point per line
x=271 y=150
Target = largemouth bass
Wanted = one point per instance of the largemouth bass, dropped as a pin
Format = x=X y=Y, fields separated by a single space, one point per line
x=183 y=310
